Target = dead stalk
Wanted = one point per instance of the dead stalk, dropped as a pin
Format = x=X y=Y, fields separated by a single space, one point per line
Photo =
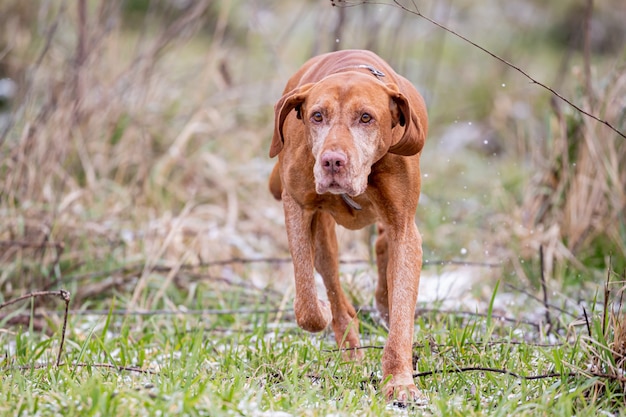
x=544 y=289
x=64 y=295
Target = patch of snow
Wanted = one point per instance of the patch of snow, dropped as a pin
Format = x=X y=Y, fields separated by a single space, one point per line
x=451 y=288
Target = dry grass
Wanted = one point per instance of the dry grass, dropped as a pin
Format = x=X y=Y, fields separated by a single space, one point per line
x=118 y=151
x=144 y=139
x=605 y=343
x=576 y=202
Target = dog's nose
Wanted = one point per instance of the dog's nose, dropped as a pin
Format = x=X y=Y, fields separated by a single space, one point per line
x=333 y=162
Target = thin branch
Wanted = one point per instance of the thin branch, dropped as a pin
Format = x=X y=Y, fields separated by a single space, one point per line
x=475 y=314
x=496 y=371
x=544 y=289
x=587 y=322
x=427 y=262
x=206 y=312
x=607 y=296
x=139 y=266
x=252 y=311
x=534 y=297
x=29 y=244
x=611 y=377
x=92 y=365
x=415 y=11
x=64 y=295
x=59 y=293
x=509 y=64
x=444 y=262
x=443 y=346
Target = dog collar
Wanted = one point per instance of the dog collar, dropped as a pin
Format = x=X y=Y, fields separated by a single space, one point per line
x=349 y=201
x=373 y=70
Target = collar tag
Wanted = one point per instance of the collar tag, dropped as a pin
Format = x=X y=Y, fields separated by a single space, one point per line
x=349 y=201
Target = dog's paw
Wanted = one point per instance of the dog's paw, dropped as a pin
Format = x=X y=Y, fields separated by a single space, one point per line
x=405 y=395
x=312 y=315
x=324 y=307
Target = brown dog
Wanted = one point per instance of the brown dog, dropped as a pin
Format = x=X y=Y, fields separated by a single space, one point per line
x=348 y=134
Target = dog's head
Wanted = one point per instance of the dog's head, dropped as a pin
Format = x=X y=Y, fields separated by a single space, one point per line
x=351 y=120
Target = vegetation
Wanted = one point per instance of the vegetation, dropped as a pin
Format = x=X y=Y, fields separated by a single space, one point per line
x=133 y=157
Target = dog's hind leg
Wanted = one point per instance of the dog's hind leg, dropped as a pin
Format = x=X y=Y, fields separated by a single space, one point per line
x=382 y=293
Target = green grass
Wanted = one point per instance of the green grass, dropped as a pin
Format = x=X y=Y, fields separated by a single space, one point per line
x=255 y=363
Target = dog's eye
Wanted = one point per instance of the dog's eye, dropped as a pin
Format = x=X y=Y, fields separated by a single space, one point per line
x=317 y=117
x=365 y=118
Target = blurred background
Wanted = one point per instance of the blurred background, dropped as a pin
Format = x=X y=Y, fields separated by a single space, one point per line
x=134 y=138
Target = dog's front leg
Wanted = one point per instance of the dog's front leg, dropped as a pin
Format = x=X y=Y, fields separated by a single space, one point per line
x=312 y=314
x=345 y=323
x=403 y=274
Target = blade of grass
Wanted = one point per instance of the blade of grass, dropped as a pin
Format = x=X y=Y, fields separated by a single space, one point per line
x=491 y=304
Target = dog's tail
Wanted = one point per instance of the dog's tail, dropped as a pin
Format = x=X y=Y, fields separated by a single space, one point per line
x=276 y=188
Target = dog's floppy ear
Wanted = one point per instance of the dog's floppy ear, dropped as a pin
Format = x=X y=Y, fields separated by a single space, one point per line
x=291 y=100
x=412 y=140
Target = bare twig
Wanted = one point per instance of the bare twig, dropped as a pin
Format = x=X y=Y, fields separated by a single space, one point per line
x=587 y=321
x=427 y=262
x=92 y=365
x=29 y=244
x=494 y=370
x=415 y=11
x=443 y=262
x=544 y=289
x=607 y=295
x=443 y=346
x=534 y=297
x=252 y=311
x=116 y=367
x=138 y=267
x=611 y=377
x=59 y=293
x=206 y=312
x=475 y=314
x=63 y=294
